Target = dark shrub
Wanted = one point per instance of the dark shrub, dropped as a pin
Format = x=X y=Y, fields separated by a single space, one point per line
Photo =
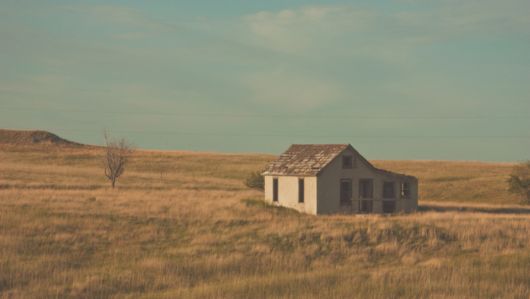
x=519 y=181
x=255 y=181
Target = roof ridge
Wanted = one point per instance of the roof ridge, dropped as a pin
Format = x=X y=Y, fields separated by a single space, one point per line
x=305 y=159
x=311 y=159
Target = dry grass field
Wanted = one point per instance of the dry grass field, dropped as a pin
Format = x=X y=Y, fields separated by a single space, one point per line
x=183 y=225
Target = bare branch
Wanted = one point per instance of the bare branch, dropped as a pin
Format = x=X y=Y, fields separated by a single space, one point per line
x=117 y=154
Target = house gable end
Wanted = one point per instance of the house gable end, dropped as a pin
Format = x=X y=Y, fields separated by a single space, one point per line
x=358 y=158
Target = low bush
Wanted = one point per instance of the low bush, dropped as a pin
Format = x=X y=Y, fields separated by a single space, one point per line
x=519 y=181
x=255 y=181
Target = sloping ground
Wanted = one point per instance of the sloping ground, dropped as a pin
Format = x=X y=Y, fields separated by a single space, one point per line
x=183 y=225
x=439 y=181
x=33 y=137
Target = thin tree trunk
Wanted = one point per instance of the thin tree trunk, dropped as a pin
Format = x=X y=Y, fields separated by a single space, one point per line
x=117 y=154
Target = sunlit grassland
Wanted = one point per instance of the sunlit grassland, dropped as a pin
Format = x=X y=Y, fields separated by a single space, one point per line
x=183 y=225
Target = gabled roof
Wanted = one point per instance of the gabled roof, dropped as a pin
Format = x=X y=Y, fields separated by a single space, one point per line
x=311 y=159
x=305 y=159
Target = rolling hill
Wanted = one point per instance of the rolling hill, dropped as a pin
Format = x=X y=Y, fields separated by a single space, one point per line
x=33 y=137
x=183 y=225
x=441 y=181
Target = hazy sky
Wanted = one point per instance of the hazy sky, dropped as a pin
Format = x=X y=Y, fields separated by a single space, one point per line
x=402 y=79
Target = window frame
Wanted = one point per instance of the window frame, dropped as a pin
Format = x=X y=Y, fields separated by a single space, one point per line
x=349 y=165
x=301 y=190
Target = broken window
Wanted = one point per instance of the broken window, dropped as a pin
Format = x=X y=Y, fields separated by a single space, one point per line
x=405 y=190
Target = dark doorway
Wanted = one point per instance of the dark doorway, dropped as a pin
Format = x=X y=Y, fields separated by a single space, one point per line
x=366 y=206
x=366 y=188
x=345 y=192
x=275 y=190
x=389 y=206
x=388 y=190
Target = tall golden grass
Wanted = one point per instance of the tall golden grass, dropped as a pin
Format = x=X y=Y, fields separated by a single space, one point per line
x=183 y=225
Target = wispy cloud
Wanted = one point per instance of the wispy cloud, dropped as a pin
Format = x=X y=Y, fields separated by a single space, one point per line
x=387 y=38
x=370 y=30
x=295 y=30
x=291 y=90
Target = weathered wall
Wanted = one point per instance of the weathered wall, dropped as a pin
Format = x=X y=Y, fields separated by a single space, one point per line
x=288 y=193
x=322 y=193
x=329 y=187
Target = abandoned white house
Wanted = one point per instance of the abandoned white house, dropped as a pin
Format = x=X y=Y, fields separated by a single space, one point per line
x=335 y=178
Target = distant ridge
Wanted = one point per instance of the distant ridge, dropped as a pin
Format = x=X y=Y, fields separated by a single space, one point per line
x=33 y=137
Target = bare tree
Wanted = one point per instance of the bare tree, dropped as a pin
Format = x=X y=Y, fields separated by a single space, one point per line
x=117 y=153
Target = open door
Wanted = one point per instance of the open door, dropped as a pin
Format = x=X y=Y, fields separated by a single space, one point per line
x=366 y=195
x=345 y=191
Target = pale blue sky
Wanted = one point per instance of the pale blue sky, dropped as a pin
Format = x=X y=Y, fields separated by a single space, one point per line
x=402 y=79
